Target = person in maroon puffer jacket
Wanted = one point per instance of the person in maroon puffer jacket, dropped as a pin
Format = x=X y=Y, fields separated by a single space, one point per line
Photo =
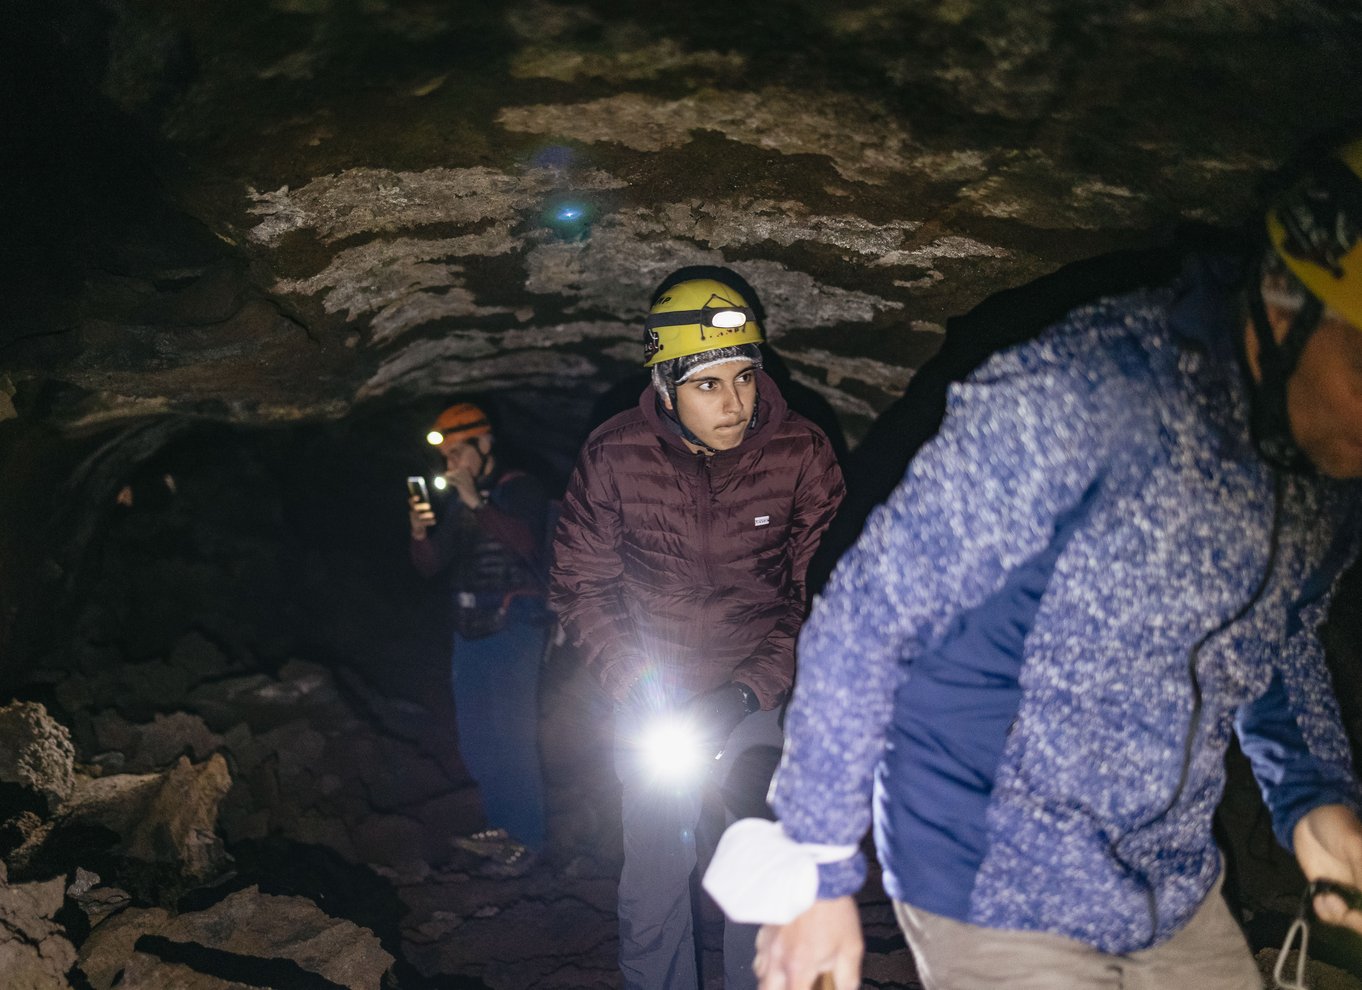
x=679 y=570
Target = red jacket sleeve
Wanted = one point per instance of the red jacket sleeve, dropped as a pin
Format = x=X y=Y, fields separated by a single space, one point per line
x=818 y=492
x=433 y=554
x=587 y=575
x=514 y=516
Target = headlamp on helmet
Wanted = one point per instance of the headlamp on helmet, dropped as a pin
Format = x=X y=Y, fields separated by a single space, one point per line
x=461 y=421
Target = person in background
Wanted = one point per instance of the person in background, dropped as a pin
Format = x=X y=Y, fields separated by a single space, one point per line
x=488 y=535
x=1116 y=553
x=679 y=567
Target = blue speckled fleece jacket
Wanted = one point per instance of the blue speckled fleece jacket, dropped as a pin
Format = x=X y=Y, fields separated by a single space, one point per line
x=1036 y=652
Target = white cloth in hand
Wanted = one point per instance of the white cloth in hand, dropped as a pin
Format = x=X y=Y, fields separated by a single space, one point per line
x=760 y=876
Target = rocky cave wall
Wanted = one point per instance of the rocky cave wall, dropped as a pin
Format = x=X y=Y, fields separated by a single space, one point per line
x=250 y=248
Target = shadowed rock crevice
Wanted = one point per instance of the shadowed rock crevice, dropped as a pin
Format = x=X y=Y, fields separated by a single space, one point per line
x=232 y=966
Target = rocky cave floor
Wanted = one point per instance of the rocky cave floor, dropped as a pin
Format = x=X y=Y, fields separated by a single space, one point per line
x=292 y=830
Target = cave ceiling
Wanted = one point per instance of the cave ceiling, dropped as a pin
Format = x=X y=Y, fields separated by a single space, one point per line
x=278 y=211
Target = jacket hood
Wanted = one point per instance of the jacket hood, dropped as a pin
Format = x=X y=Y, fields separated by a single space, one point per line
x=771 y=411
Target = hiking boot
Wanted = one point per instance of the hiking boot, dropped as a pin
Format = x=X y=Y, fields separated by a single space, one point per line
x=505 y=856
x=513 y=861
x=489 y=842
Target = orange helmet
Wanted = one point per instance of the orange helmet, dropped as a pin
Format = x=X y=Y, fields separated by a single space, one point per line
x=461 y=421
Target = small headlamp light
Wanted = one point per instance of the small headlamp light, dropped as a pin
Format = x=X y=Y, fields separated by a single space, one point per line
x=725 y=318
x=435 y=438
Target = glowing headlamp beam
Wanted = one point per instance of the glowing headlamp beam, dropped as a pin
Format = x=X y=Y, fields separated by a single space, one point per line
x=672 y=750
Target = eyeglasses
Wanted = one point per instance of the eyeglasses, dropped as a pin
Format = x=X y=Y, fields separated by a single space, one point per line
x=1351 y=896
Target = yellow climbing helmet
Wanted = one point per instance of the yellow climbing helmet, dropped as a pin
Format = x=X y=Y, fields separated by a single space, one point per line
x=1316 y=229
x=694 y=316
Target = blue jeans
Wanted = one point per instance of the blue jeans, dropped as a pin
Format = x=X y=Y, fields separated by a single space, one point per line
x=496 y=707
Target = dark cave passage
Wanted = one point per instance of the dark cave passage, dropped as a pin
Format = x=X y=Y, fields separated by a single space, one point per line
x=247 y=593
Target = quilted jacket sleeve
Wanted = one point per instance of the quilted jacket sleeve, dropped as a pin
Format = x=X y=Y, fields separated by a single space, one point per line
x=819 y=492
x=444 y=541
x=587 y=574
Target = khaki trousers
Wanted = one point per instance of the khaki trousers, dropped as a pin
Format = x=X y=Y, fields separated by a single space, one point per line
x=1209 y=953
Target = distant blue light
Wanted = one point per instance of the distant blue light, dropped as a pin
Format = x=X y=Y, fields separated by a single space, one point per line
x=570 y=219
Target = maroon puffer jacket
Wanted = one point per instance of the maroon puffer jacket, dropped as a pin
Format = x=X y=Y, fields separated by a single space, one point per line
x=693 y=565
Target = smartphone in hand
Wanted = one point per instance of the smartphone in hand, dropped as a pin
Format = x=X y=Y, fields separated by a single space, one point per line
x=416 y=488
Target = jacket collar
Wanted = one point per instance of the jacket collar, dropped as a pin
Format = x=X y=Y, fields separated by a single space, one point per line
x=1207 y=309
x=771 y=410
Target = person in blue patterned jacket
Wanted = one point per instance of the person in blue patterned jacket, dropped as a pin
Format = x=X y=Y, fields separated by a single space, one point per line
x=1115 y=553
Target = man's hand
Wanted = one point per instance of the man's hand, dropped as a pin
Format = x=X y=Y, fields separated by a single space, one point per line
x=1328 y=844
x=465 y=486
x=715 y=714
x=420 y=515
x=824 y=939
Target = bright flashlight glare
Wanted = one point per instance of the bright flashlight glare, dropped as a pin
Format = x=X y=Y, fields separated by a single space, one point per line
x=671 y=750
x=440 y=482
x=728 y=318
x=435 y=438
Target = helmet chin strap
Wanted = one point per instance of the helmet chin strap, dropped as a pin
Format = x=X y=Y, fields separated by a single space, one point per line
x=685 y=431
x=484 y=459
x=688 y=435
x=1270 y=422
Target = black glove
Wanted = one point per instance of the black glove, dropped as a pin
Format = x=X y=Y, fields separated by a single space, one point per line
x=715 y=714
